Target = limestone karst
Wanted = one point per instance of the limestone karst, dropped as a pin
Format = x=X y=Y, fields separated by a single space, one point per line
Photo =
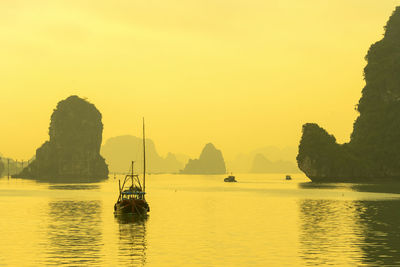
x=262 y=164
x=373 y=152
x=73 y=148
x=119 y=151
x=210 y=161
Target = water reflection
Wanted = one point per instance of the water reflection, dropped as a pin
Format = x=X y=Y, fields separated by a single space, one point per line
x=311 y=185
x=388 y=188
x=74 y=187
x=74 y=233
x=339 y=232
x=132 y=239
x=72 y=180
x=381 y=244
x=393 y=188
x=328 y=234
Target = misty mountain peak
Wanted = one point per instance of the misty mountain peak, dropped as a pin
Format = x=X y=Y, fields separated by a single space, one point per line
x=210 y=161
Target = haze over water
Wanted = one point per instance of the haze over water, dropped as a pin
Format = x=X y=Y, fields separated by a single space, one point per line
x=240 y=74
x=197 y=220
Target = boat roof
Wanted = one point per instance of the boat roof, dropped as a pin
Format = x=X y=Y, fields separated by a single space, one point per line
x=133 y=193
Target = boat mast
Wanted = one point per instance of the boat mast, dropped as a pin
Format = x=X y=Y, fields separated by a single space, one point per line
x=132 y=172
x=144 y=160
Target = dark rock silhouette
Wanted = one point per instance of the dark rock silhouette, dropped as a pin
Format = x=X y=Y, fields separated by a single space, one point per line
x=210 y=161
x=262 y=165
x=373 y=153
x=121 y=150
x=73 y=151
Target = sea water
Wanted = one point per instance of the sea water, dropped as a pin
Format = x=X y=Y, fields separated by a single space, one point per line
x=196 y=220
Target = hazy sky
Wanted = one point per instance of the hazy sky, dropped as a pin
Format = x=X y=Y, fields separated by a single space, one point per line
x=242 y=74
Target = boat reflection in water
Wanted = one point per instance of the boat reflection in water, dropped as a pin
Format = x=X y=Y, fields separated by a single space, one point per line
x=74 y=231
x=74 y=187
x=132 y=239
x=130 y=218
x=368 y=228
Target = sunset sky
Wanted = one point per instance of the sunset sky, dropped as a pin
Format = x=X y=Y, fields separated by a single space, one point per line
x=241 y=74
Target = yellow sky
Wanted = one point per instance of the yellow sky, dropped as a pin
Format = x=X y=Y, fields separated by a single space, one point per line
x=242 y=74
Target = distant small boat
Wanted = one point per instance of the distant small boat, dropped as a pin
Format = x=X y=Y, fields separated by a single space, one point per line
x=230 y=179
x=288 y=177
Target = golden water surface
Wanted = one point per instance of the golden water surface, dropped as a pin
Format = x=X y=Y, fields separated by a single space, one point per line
x=197 y=220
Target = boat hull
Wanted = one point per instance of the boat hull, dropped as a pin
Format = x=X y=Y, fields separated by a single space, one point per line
x=132 y=206
x=230 y=179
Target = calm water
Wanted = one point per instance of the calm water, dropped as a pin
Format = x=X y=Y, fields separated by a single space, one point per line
x=262 y=220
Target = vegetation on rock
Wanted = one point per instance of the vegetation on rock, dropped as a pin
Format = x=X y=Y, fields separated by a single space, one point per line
x=73 y=150
x=374 y=148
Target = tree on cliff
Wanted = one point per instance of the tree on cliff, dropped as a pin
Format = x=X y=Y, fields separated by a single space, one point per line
x=210 y=161
x=374 y=148
x=73 y=150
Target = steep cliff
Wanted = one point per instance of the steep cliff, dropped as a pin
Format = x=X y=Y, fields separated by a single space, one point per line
x=373 y=152
x=73 y=150
x=210 y=161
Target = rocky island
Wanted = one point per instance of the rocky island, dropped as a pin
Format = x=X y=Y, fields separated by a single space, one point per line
x=121 y=150
x=210 y=161
x=261 y=164
x=73 y=150
x=373 y=153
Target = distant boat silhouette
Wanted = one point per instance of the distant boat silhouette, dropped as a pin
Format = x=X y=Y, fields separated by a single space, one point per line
x=230 y=179
x=131 y=199
x=288 y=177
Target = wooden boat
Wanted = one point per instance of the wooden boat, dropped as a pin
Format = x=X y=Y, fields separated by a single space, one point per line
x=230 y=179
x=131 y=199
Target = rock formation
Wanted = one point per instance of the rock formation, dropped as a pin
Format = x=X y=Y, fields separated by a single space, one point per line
x=210 y=161
x=281 y=158
x=121 y=150
x=73 y=150
x=262 y=165
x=373 y=153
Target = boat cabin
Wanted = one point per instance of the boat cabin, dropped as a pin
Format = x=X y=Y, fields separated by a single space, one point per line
x=127 y=194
